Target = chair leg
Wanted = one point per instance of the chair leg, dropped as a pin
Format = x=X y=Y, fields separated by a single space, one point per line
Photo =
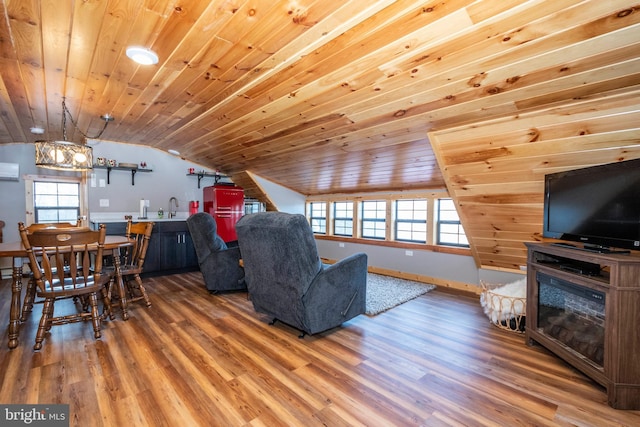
x=107 y=299
x=95 y=315
x=44 y=322
x=143 y=291
x=106 y=303
x=50 y=311
x=29 y=298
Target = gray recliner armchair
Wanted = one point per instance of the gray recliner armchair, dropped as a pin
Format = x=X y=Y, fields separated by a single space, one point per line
x=286 y=279
x=219 y=264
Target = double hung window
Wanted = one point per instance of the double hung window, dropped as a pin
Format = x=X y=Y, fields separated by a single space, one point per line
x=411 y=220
x=56 y=201
x=318 y=217
x=449 y=229
x=374 y=213
x=343 y=218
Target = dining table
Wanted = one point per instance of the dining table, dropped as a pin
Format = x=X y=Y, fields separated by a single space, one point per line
x=18 y=253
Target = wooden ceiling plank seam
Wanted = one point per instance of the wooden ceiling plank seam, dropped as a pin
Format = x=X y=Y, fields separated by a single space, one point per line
x=525 y=52
x=84 y=35
x=495 y=84
x=574 y=143
x=24 y=19
x=594 y=125
x=288 y=91
x=320 y=33
x=11 y=129
x=171 y=30
x=203 y=47
x=7 y=47
x=56 y=24
x=270 y=34
x=545 y=118
x=569 y=158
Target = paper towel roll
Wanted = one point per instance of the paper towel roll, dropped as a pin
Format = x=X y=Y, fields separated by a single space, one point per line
x=143 y=205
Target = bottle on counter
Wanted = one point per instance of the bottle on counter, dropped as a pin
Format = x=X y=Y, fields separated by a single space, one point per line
x=160 y=213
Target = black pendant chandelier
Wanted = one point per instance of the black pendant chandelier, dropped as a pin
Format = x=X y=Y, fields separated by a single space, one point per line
x=66 y=155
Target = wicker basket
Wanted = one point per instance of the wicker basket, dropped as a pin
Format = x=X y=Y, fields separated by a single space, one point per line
x=506 y=312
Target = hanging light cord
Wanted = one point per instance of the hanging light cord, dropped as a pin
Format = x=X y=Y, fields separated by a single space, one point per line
x=66 y=111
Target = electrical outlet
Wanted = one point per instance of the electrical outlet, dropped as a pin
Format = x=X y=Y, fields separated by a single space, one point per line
x=408 y=253
x=102 y=183
x=104 y=203
x=341 y=245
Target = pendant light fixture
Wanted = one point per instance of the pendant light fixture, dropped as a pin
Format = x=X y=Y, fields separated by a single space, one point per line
x=66 y=155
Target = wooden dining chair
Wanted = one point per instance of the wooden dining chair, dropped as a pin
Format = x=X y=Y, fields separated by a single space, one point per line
x=30 y=293
x=3 y=269
x=67 y=262
x=132 y=263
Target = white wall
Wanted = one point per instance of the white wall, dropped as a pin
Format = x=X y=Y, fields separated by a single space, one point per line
x=284 y=199
x=447 y=267
x=169 y=178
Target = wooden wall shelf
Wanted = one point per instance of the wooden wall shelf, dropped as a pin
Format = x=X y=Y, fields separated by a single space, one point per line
x=122 y=168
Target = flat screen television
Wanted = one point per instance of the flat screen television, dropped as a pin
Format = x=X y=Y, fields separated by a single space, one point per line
x=598 y=206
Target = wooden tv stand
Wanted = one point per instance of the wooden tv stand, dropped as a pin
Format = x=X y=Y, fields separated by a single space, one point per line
x=619 y=281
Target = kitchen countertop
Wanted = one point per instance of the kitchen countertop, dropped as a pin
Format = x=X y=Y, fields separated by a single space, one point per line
x=112 y=217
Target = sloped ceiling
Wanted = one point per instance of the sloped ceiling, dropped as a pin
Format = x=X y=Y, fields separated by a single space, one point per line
x=324 y=96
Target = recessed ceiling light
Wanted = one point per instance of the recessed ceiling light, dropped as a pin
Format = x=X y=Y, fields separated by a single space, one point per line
x=142 y=55
x=174 y=152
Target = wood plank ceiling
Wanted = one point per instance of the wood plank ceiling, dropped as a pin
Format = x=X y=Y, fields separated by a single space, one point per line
x=327 y=96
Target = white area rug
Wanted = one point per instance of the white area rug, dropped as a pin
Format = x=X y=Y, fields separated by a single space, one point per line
x=385 y=292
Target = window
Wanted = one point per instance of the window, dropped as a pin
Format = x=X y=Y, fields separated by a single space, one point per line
x=253 y=206
x=450 y=230
x=343 y=218
x=318 y=215
x=374 y=219
x=411 y=220
x=56 y=201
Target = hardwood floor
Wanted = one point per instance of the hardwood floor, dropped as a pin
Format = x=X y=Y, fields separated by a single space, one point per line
x=194 y=359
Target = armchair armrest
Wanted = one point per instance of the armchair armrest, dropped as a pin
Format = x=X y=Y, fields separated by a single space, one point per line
x=337 y=294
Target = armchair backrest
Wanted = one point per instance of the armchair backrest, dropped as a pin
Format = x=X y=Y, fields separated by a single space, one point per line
x=203 y=230
x=278 y=247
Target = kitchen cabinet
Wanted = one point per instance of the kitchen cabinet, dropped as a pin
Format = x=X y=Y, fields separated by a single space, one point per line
x=170 y=248
x=175 y=251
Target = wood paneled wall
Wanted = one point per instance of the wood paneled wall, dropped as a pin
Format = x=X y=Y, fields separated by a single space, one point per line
x=495 y=170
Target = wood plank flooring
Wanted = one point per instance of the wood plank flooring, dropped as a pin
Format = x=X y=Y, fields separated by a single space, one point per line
x=195 y=359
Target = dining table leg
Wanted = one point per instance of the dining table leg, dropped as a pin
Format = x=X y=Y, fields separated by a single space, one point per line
x=14 y=314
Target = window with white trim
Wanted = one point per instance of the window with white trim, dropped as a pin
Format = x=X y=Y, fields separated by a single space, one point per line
x=56 y=201
x=374 y=214
x=411 y=220
x=449 y=229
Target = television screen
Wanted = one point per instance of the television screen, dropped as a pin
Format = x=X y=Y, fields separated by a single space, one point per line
x=599 y=205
